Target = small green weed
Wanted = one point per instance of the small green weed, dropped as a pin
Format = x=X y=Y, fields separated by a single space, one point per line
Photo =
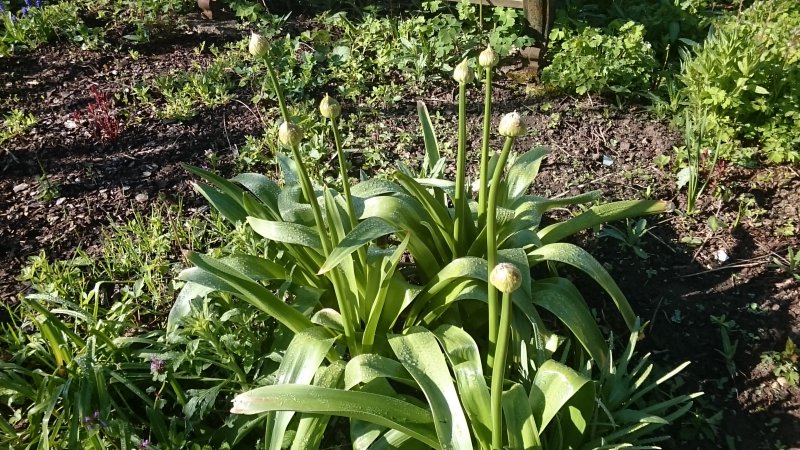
x=16 y=123
x=790 y=265
x=632 y=237
x=784 y=363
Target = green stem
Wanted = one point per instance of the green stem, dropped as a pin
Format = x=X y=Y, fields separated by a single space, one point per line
x=498 y=372
x=459 y=199
x=491 y=246
x=277 y=88
x=362 y=253
x=484 y=170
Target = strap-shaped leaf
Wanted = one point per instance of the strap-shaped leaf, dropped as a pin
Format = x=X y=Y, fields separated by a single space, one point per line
x=420 y=354
x=555 y=387
x=229 y=207
x=286 y=232
x=520 y=424
x=523 y=171
x=303 y=357
x=254 y=293
x=378 y=409
x=182 y=306
x=364 y=368
x=429 y=136
x=290 y=207
x=564 y=300
x=266 y=190
x=601 y=214
x=311 y=427
x=365 y=232
x=465 y=359
x=373 y=188
x=579 y=258
x=435 y=209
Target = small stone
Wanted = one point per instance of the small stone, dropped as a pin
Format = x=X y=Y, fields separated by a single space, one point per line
x=146 y=173
x=141 y=198
x=608 y=161
x=721 y=255
x=60 y=200
x=70 y=124
x=20 y=187
x=782 y=382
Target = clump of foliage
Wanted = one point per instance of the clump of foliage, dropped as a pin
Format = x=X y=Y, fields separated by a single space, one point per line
x=746 y=80
x=592 y=60
x=37 y=23
x=401 y=348
x=16 y=123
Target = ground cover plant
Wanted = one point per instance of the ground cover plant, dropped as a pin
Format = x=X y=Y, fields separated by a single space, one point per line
x=99 y=166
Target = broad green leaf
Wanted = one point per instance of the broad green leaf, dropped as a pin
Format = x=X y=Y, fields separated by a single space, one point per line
x=303 y=357
x=226 y=187
x=365 y=232
x=378 y=409
x=292 y=209
x=311 y=427
x=523 y=171
x=577 y=257
x=420 y=354
x=378 y=289
x=434 y=209
x=520 y=424
x=564 y=301
x=286 y=232
x=230 y=208
x=266 y=190
x=601 y=214
x=429 y=136
x=557 y=389
x=465 y=359
x=366 y=367
x=254 y=293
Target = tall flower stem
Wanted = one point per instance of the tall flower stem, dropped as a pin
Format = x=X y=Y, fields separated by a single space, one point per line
x=310 y=195
x=351 y=212
x=484 y=169
x=459 y=199
x=491 y=246
x=498 y=372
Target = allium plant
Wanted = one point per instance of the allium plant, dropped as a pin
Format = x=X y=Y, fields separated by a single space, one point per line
x=467 y=305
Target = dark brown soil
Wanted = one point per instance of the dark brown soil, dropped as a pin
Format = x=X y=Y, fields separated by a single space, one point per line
x=594 y=146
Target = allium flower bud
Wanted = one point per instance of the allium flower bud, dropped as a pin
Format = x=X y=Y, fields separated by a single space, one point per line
x=329 y=108
x=512 y=125
x=506 y=277
x=463 y=73
x=258 y=45
x=488 y=58
x=290 y=134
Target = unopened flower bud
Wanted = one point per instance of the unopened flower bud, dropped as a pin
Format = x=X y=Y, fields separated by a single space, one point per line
x=290 y=134
x=488 y=58
x=511 y=125
x=506 y=277
x=463 y=73
x=329 y=108
x=258 y=45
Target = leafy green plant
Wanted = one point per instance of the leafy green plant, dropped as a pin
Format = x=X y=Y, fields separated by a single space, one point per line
x=591 y=60
x=700 y=160
x=784 y=363
x=631 y=237
x=39 y=23
x=746 y=78
x=16 y=123
x=789 y=265
x=375 y=281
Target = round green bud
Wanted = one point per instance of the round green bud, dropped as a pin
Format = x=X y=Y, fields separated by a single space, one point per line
x=488 y=58
x=258 y=45
x=463 y=73
x=329 y=107
x=290 y=134
x=506 y=277
x=511 y=125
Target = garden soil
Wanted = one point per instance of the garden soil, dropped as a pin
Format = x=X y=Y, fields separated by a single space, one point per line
x=694 y=283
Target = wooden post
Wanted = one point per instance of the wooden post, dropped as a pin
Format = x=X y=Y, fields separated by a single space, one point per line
x=538 y=12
